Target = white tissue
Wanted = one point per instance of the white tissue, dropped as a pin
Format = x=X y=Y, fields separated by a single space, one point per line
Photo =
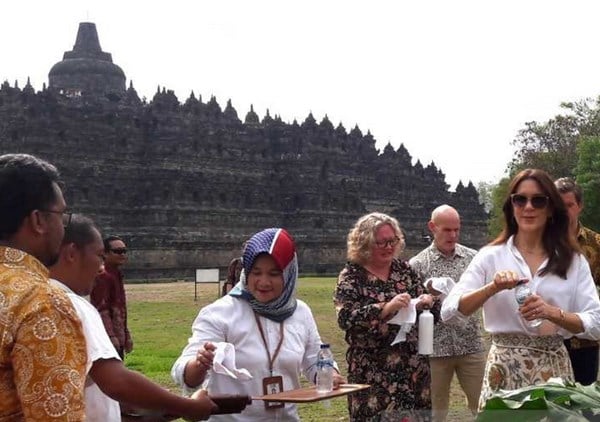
x=405 y=317
x=224 y=362
x=441 y=284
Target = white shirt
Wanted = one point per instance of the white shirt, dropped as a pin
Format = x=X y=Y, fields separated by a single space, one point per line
x=232 y=320
x=98 y=406
x=577 y=293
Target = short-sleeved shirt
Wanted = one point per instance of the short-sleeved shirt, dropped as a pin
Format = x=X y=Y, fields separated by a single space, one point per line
x=98 y=406
x=450 y=339
x=42 y=347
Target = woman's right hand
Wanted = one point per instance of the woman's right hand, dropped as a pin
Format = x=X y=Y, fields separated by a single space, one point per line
x=205 y=356
x=401 y=300
x=505 y=280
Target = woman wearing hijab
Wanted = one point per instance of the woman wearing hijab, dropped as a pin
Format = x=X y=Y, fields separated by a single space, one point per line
x=274 y=334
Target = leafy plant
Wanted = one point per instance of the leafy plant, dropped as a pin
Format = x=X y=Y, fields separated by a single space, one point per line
x=556 y=400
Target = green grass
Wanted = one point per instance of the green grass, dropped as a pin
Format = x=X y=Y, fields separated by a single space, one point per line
x=160 y=319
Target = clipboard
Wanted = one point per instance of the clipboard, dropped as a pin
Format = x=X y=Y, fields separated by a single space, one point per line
x=309 y=394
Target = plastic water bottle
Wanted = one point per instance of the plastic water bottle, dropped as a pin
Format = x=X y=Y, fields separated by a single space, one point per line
x=324 y=369
x=522 y=292
x=426 y=333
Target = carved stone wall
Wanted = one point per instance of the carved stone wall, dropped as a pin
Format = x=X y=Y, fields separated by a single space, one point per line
x=185 y=184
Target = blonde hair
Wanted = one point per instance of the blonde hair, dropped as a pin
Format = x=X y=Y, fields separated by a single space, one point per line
x=362 y=236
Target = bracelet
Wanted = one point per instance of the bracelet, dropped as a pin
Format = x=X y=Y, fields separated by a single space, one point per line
x=562 y=314
x=487 y=291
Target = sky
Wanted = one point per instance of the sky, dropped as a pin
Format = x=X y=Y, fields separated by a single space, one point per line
x=454 y=81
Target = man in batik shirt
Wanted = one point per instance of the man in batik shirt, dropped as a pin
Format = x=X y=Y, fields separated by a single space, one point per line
x=108 y=295
x=42 y=348
x=583 y=352
x=457 y=347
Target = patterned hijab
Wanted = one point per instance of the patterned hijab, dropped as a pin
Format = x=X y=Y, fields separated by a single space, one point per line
x=279 y=244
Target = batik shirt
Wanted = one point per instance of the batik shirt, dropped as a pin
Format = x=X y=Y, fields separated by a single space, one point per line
x=108 y=296
x=589 y=241
x=452 y=338
x=42 y=348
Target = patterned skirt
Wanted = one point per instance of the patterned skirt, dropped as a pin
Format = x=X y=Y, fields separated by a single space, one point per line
x=518 y=360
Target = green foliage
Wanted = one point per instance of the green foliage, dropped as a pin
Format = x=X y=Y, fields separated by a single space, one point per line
x=552 y=145
x=552 y=401
x=588 y=177
x=496 y=221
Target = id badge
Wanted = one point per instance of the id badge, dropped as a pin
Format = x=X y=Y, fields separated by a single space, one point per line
x=272 y=385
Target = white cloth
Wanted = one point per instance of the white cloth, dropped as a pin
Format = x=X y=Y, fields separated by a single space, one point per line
x=224 y=362
x=98 y=406
x=441 y=284
x=577 y=293
x=232 y=320
x=406 y=318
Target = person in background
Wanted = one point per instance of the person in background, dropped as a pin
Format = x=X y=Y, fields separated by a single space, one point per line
x=583 y=352
x=233 y=273
x=274 y=335
x=457 y=348
x=42 y=348
x=373 y=286
x=108 y=295
x=108 y=380
x=535 y=245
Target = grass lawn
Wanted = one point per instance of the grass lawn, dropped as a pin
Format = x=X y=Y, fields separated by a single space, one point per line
x=160 y=319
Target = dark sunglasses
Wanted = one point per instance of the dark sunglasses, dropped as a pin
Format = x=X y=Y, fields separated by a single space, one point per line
x=537 y=201
x=119 y=251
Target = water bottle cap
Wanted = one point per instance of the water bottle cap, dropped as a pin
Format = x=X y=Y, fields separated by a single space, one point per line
x=324 y=345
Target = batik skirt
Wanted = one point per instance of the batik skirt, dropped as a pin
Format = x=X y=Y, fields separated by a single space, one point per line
x=518 y=360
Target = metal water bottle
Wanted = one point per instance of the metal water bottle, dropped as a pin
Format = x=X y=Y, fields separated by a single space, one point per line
x=324 y=369
x=426 y=333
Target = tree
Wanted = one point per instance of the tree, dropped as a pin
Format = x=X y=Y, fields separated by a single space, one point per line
x=496 y=221
x=588 y=177
x=485 y=189
x=552 y=146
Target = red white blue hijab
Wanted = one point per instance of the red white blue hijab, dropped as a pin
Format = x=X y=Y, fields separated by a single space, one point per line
x=279 y=244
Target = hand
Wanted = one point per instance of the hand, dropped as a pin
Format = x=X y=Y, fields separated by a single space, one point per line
x=425 y=301
x=338 y=379
x=205 y=356
x=400 y=301
x=534 y=307
x=505 y=280
x=202 y=409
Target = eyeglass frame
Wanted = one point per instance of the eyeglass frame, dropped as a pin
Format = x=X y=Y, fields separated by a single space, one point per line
x=68 y=214
x=529 y=199
x=385 y=243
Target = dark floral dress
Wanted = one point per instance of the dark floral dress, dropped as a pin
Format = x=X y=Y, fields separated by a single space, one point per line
x=399 y=377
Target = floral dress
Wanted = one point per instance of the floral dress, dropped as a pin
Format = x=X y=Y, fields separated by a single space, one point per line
x=399 y=377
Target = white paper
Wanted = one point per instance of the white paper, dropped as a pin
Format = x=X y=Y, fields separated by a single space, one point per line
x=406 y=318
x=224 y=362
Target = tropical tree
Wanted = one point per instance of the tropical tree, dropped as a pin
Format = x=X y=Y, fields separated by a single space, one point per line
x=588 y=177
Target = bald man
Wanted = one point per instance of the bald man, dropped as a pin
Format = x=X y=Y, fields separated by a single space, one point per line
x=457 y=347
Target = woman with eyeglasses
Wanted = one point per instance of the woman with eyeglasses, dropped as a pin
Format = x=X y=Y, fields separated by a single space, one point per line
x=373 y=286
x=534 y=248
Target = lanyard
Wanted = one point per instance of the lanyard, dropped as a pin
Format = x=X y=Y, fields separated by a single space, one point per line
x=262 y=335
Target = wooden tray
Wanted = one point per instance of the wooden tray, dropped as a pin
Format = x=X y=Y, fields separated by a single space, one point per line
x=309 y=394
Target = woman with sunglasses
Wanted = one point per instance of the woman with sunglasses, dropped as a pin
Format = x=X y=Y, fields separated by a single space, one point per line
x=535 y=247
x=371 y=289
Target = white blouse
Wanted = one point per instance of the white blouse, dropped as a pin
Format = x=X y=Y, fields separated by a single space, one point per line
x=577 y=293
x=232 y=320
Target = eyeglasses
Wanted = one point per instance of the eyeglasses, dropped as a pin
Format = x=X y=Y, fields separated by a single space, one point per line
x=537 y=201
x=385 y=243
x=119 y=251
x=66 y=216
